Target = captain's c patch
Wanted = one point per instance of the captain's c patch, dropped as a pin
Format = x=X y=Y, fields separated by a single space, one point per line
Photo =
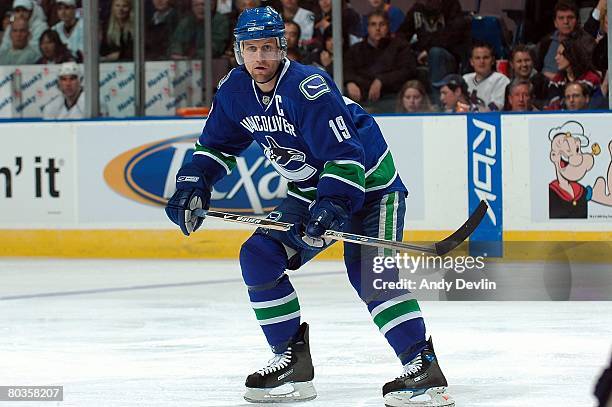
x=314 y=86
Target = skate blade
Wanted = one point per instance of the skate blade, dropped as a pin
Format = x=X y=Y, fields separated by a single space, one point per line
x=287 y=393
x=433 y=397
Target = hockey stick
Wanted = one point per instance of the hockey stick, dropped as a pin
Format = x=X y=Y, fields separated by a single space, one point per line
x=438 y=248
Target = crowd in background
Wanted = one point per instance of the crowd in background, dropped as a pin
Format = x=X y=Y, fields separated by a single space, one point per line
x=421 y=59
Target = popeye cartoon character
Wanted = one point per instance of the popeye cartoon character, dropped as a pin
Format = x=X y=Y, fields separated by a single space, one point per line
x=567 y=198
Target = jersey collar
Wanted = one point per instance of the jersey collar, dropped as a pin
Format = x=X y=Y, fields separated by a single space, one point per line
x=285 y=68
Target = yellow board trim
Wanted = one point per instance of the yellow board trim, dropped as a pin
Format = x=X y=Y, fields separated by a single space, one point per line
x=225 y=244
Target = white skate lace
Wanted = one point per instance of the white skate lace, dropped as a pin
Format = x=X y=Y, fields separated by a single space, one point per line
x=278 y=362
x=412 y=367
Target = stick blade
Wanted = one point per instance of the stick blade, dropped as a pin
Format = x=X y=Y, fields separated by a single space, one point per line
x=454 y=240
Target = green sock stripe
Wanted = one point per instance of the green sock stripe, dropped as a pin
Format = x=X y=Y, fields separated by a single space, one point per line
x=397 y=310
x=390 y=215
x=277 y=311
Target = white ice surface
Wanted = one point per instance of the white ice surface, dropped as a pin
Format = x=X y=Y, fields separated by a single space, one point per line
x=182 y=333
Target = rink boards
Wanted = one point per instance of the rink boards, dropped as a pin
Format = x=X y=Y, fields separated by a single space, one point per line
x=97 y=188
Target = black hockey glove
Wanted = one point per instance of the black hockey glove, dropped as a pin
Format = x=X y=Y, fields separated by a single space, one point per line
x=192 y=192
x=325 y=214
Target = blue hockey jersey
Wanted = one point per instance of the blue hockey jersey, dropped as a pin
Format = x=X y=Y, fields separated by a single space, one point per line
x=325 y=144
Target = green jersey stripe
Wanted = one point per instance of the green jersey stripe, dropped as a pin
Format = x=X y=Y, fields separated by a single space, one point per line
x=273 y=303
x=352 y=172
x=229 y=160
x=382 y=173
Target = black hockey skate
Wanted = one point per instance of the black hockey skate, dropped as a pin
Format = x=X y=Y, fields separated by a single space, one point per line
x=288 y=376
x=421 y=385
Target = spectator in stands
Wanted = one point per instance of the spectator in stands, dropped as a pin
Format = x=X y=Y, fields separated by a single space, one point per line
x=395 y=16
x=304 y=18
x=71 y=103
x=567 y=25
x=20 y=51
x=351 y=22
x=442 y=36
x=324 y=57
x=53 y=50
x=117 y=39
x=188 y=38
x=70 y=28
x=597 y=26
x=378 y=66
x=224 y=6
x=519 y=96
x=574 y=65
x=577 y=96
x=413 y=98
x=454 y=95
x=5 y=22
x=292 y=33
x=484 y=83
x=521 y=64
x=25 y=9
x=159 y=30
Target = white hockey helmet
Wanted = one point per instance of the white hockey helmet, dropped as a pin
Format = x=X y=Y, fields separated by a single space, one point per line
x=69 y=69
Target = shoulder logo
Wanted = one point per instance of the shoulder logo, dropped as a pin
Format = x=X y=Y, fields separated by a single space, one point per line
x=314 y=86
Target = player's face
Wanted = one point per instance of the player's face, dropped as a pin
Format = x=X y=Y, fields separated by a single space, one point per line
x=522 y=64
x=261 y=58
x=69 y=85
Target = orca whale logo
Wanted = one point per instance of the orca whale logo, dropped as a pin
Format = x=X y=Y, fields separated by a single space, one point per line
x=283 y=158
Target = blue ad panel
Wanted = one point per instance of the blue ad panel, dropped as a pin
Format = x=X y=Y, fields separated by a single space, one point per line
x=485 y=182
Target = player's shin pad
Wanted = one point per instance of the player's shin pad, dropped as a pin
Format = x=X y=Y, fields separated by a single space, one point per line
x=286 y=393
x=432 y=397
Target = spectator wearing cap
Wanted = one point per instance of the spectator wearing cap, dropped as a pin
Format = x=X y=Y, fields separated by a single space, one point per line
x=69 y=27
x=394 y=14
x=53 y=50
x=574 y=66
x=454 y=95
x=302 y=17
x=70 y=104
x=576 y=96
x=378 y=66
x=25 y=9
x=117 y=38
x=521 y=66
x=159 y=29
x=567 y=25
x=519 y=96
x=484 y=83
x=188 y=39
x=20 y=51
x=442 y=35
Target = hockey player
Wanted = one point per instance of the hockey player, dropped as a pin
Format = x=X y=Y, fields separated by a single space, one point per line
x=342 y=178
